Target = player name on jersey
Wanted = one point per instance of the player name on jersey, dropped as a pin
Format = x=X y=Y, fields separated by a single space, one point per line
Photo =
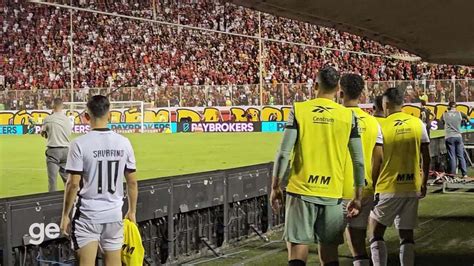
x=108 y=153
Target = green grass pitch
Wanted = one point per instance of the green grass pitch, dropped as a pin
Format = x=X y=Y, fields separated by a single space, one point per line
x=23 y=163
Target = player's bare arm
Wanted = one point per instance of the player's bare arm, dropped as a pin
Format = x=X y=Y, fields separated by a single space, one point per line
x=43 y=133
x=426 y=160
x=377 y=159
x=132 y=193
x=70 y=194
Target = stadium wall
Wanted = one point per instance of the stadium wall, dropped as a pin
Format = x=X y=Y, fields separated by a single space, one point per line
x=196 y=119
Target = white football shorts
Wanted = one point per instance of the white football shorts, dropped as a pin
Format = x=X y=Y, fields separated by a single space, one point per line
x=402 y=211
x=109 y=235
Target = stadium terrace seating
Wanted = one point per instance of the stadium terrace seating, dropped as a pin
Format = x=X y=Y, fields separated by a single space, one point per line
x=111 y=51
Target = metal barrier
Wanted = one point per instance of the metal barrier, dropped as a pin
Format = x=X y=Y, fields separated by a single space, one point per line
x=179 y=218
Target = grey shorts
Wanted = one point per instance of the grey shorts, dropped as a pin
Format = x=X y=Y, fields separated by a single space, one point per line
x=402 y=211
x=307 y=223
x=109 y=235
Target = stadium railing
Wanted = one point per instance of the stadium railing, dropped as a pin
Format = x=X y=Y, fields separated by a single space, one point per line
x=459 y=90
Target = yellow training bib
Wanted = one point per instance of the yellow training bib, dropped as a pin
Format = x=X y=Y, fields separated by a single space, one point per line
x=368 y=130
x=401 y=163
x=380 y=119
x=133 y=252
x=324 y=128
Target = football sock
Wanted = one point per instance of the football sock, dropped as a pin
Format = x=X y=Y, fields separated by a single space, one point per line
x=407 y=254
x=364 y=262
x=296 y=263
x=379 y=253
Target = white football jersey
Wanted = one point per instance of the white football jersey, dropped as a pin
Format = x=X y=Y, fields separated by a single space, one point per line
x=101 y=156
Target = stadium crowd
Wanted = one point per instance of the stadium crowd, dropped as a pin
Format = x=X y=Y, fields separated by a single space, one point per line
x=175 y=66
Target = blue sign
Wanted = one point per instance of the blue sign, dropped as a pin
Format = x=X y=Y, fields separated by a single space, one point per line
x=11 y=130
x=273 y=126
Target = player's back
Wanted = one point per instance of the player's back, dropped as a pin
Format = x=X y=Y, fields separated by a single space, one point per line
x=369 y=130
x=324 y=128
x=401 y=159
x=102 y=156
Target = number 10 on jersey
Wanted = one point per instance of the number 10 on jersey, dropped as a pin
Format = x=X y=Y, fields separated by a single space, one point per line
x=111 y=170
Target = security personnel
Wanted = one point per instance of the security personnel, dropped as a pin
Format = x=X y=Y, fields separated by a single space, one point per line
x=320 y=131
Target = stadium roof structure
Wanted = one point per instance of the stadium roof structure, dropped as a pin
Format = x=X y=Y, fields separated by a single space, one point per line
x=437 y=31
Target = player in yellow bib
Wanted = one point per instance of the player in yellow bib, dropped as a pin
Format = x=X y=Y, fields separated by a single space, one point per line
x=370 y=132
x=320 y=132
x=400 y=184
x=378 y=110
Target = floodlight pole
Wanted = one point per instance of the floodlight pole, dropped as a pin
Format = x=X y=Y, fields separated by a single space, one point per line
x=154 y=9
x=71 y=55
x=260 y=44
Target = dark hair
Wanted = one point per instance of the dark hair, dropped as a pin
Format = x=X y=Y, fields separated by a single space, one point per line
x=98 y=106
x=394 y=96
x=451 y=104
x=57 y=102
x=328 y=78
x=378 y=103
x=352 y=85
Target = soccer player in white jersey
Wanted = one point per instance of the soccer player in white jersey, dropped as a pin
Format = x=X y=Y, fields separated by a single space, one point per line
x=97 y=164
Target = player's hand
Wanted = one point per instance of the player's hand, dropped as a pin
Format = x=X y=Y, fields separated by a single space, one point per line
x=131 y=216
x=44 y=134
x=423 y=191
x=276 y=198
x=353 y=208
x=65 y=226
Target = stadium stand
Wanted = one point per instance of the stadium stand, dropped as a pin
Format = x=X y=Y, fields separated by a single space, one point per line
x=213 y=68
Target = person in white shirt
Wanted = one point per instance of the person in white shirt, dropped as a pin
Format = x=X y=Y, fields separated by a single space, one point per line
x=97 y=164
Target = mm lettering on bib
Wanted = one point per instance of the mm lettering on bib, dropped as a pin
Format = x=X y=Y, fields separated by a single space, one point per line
x=128 y=249
x=405 y=178
x=322 y=180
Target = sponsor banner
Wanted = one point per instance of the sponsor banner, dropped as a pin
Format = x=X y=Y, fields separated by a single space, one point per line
x=219 y=127
x=273 y=126
x=147 y=127
x=276 y=113
x=11 y=130
x=117 y=127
